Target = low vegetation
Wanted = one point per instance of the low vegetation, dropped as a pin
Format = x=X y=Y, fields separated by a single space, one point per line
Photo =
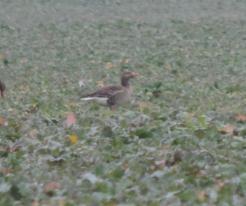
x=180 y=142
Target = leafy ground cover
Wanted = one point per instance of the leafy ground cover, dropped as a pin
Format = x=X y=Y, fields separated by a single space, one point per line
x=181 y=141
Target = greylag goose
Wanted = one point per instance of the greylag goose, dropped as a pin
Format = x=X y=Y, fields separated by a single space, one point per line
x=113 y=95
x=2 y=88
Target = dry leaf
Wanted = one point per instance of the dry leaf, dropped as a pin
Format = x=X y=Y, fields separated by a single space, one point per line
x=35 y=203
x=50 y=188
x=109 y=65
x=201 y=196
x=219 y=184
x=240 y=117
x=62 y=202
x=24 y=88
x=158 y=165
x=73 y=138
x=2 y=56
x=23 y=60
x=6 y=171
x=14 y=148
x=70 y=120
x=33 y=133
x=125 y=166
x=125 y=61
x=144 y=105
x=168 y=67
x=228 y=129
x=4 y=149
x=3 y=122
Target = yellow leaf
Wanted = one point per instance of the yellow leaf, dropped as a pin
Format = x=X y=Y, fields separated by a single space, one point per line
x=73 y=138
x=100 y=83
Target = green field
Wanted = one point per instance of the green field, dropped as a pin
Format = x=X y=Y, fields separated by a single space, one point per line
x=177 y=143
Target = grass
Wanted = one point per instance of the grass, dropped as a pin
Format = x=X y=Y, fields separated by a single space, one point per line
x=165 y=148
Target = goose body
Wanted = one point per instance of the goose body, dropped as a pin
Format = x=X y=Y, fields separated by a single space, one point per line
x=113 y=95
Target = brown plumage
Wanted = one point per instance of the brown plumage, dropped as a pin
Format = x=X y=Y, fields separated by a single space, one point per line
x=113 y=95
x=2 y=88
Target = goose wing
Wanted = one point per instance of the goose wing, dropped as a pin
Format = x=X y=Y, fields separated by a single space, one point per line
x=106 y=92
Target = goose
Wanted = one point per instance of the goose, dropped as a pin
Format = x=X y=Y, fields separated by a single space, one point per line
x=114 y=95
x=2 y=88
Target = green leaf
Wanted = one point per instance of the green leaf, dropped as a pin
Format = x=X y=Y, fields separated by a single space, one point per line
x=143 y=133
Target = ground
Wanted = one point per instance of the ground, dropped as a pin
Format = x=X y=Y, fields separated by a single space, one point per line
x=180 y=142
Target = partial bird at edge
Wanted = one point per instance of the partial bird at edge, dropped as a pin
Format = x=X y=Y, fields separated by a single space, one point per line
x=2 y=88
